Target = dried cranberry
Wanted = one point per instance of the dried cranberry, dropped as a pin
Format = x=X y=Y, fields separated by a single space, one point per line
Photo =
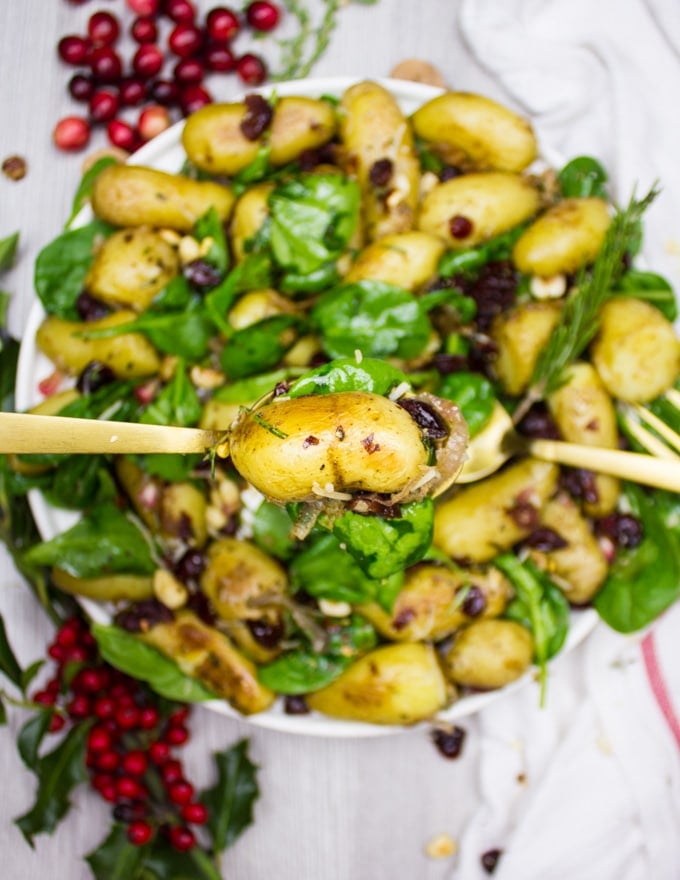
x=493 y=290
x=425 y=417
x=189 y=566
x=538 y=422
x=580 y=483
x=523 y=513
x=295 y=704
x=460 y=227
x=89 y=308
x=258 y=117
x=623 y=529
x=474 y=602
x=489 y=860
x=381 y=172
x=200 y=605
x=448 y=172
x=449 y=740
x=266 y=632
x=201 y=274
x=545 y=540
x=94 y=376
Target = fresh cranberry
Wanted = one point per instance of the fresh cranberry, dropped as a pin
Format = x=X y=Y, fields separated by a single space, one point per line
x=222 y=24
x=147 y=60
x=144 y=7
x=104 y=105
x=132 y=91
x=251 y=69
x=195 y=813
x=192 y=98
x=56 y=652
x=180 y=11
x=177 y=735
x=103 y=28
x=71 y=133
x=102 y=780
x=135 y=763
x=105 y=64
x=69 y=633
x=180 y=792
x=152 y=121
x=181 y=838
x=179 y=716
x=80 y=87
x=139 y=833
x=131 y=811
x=121 y=134
x=185 y=40
x=73 y=49
x=262 y=15
x=219 y=58
x=188 y=71
x=165 y=92
x=144 y=30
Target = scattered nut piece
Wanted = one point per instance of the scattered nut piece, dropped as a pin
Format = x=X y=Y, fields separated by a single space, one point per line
x=189 y=249
x=334 y=609
x=548 y=288
x=207 y=377
x=170 y=236
x=14 y=167
x=168 y=590
x=229 y=495
x=441 y=847
x=216 y=519
x=416 y=70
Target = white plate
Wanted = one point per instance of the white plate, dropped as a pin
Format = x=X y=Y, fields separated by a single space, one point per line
x=165 y=153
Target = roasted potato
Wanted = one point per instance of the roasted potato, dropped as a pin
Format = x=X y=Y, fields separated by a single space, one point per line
x=485 y=518
x=473 y=208
x=214 y=140
x=127 y=195
x=489 y=654
x=129 y=355
x=474 y=132
x=108 y=588
x=636 y=351
x=256 y=305
x=249 y=215
x=131 y=267
x=520 y=335
x=182 y=513
x=567 y=236
x=408 y=260
x=395 y=684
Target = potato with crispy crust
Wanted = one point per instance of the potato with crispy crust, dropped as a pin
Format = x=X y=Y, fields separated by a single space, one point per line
x=520 y=335
x=408 y=259
x=489 y=654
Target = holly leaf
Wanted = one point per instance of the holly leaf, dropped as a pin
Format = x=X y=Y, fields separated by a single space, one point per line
x=3 y=714
x=8 y=662
x=30 y=673
x=58 y=773
x=116 y=858
x=31 y=736
x=162 y=862
x=230 y=801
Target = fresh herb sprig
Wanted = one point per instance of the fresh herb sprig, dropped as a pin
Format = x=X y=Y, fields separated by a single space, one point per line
x=580 y=316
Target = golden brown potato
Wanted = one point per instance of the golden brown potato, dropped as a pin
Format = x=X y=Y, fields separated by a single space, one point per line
x=472 y=131
x=131 y=267
x=395 y=684
x=520 y=335
x=129 y=355
x=485 y=518
x=408 y=260
x=256 y=305
x=584 y=412
x=128 y=195
x=242 y=635
x=477 y=207
x=218 y=415
x=431 y=604
x=108 y=588
x=250 y=212
x=580 y=568
x=374 y=130
x=182 y=513
x=237 y=578
x=203 y=653
x=291 y=449
x=489 y=654
x=636 y=351
x=214 y=141
x=567 y=236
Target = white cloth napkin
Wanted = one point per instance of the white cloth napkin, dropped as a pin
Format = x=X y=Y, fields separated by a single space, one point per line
x=589 y=788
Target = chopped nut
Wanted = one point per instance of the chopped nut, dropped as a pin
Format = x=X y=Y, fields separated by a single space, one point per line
x=416 y=70
x=14 y=167
x=428 y=181
x=206 y=377
x=441 y=846
x=189 y=249
x=548 y=288
x=168 y=590
x=170 y=236
x=334 y=609
x=216 y=519
x=229 y=495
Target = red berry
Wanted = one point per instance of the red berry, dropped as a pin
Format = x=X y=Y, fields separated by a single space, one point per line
x=222 y=24
x=79 y=707
x=129 y=788
x=139 y=833
x=144 y=30
x=144 y=7
x=147 y=60
x=104 y=105
x=77 y=654
x=159 y=752
x=192 y=98
x=103 y=28
x=165 y=92
x=53 y=686
x=127 y=717
x=108 y=792
x=45 y=698
x=177 y=735
x=263 y=15
x=56 y=652
x=69 y=632
x=73 y=49
x=104 y=707
x=70 y=133
x=152 y=121
x=185 y=39
x=132 y=91
x=57 y=723
x=98 y=740
x=102 y=780
x=181 y=838
x=88 y=681
x=179 y=716
x=80 y=88
x=172 y=771
x=188 y=71
x=195 y=813
x=122 y=135
x=251 y=69
x=105 y=64
x=108 y=761
x=148 y=718
x=219 y=58
x=135 y=763
x=180 y=10
x=180 y=792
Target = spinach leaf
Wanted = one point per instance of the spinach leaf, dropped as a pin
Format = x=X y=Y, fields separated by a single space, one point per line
x=271 y=530
x=259 y=346
x=652 y=288
x=253 y=273
x=327 y=571
x=473 y=393
x=320 y=279
x=644 y=580
x=84 y=190
x=8 y=250
x=61 y=267
x=58 y=772
x=177 y=404
x=583 y=176
x=303 y=670
x=175 y=296
x=470 y=260
x=376 y=318
x=348 y=374
x=104 y=541
x=210 y=226
x=79 y=481
x=248 y=390
x=312 y=220
x=384 y=547
x=127 y=653
x=230 y=801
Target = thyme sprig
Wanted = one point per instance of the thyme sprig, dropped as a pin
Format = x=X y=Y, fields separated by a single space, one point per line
x=296 y=61
x=579 y=320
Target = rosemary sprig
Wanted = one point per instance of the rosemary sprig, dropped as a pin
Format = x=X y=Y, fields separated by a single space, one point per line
x=580 y=316
x=294 y=63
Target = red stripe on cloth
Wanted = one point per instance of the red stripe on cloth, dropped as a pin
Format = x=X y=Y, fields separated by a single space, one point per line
x=658 y=685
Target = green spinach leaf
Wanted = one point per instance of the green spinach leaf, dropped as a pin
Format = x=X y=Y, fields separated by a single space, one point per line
x=348 y=374
x=259 y=346
x=583 y=176
x=473 y=393
x=84 y=190
x=210 y=226
x=271 y=531
x=652 y=288
x=470 y=260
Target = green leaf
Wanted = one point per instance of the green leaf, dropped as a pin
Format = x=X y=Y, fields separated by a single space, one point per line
x=177 y=404
x=231 y=800
x=210 y=226
x=9 y=664
x=470 y=260
x=62 y=265
x=652 y=288
x=474 y=395
x=104 y=541
x=3 y=714
x=583 y=176
x=246 y=391
x=348 y=374
x=31 y=736
x=58 y=772
x=116 y=858
x=8 y=250
x=127 y=653
x=162 y=862
x=253 y=273
x=259 y=346
x=271 y=531
x=30 y=673
x=84 y=190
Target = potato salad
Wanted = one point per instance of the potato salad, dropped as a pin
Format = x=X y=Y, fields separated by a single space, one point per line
x=347 y=291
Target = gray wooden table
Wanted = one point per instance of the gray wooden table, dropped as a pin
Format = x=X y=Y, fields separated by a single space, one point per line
x=332 y=809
